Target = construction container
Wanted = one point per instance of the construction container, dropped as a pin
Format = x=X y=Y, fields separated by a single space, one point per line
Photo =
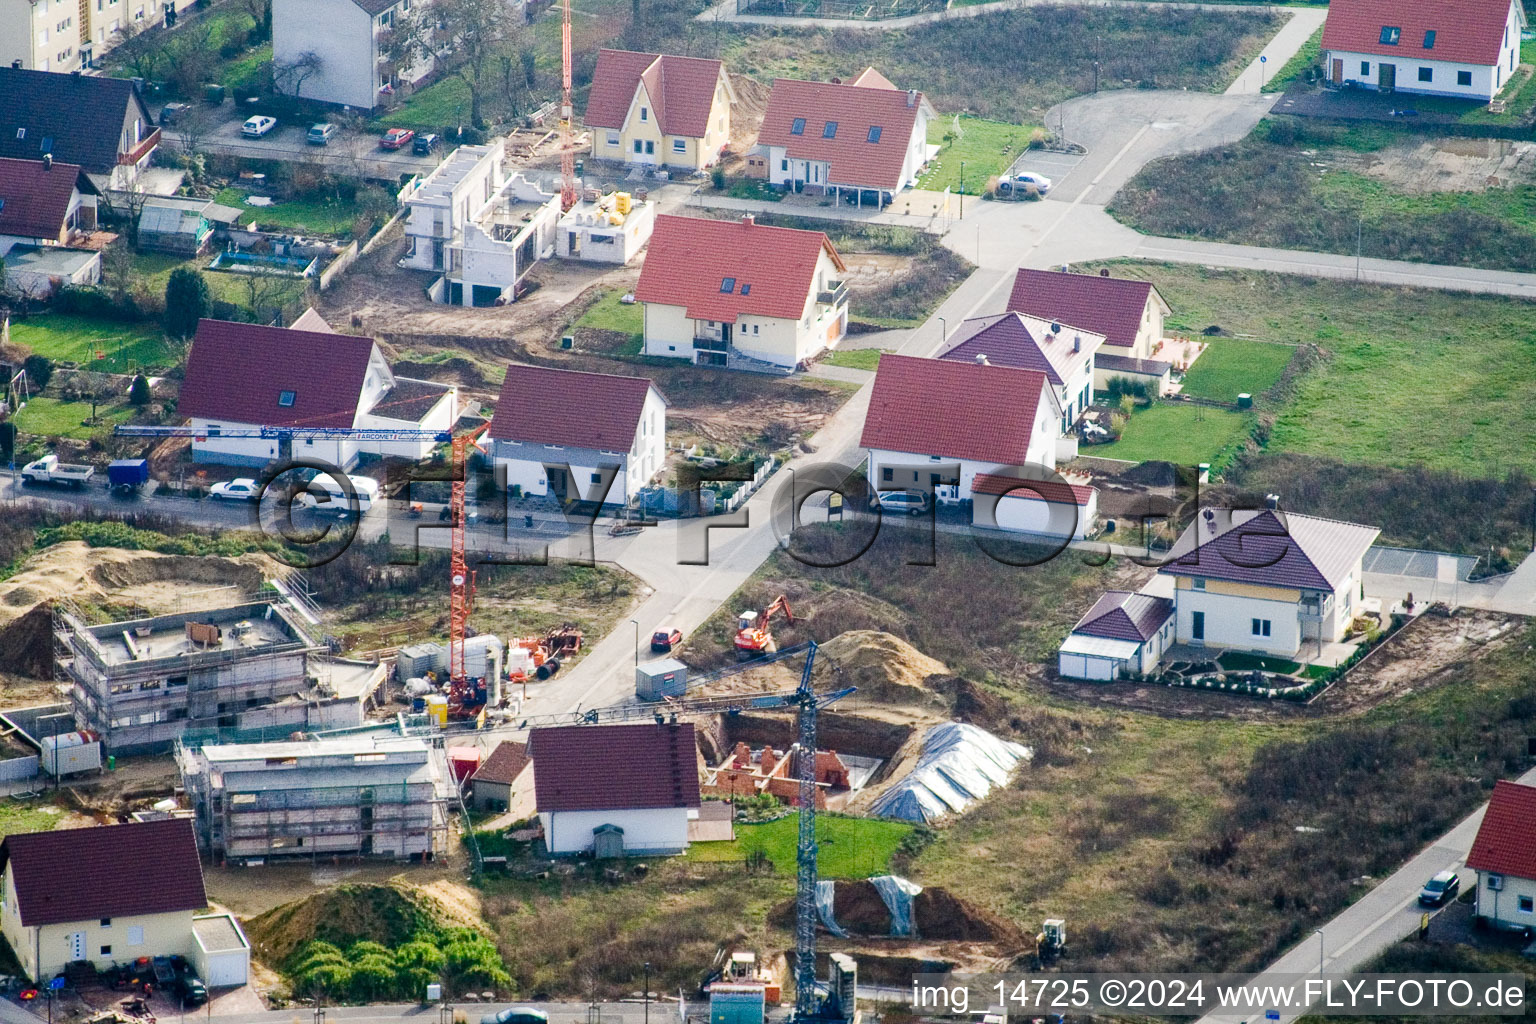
x=71 y=752
x=737 y=1002
x=463 y=762
x=417 y=660
x=437 y=710
x=657 y=679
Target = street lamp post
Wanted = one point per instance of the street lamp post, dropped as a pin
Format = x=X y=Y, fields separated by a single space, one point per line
x=1319 y=952
x=647 y=992
x=1359 y=238
x=636 y=624
x=962 y=190
x=944 y=337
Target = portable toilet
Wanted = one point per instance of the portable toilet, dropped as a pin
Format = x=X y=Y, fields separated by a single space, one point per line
x=437 y=710
x=657 y=679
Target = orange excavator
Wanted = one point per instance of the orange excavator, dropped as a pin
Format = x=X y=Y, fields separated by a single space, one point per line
x=754 y=638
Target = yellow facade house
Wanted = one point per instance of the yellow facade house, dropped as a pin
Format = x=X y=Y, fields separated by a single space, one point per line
x=104 y=895
x=658 y=110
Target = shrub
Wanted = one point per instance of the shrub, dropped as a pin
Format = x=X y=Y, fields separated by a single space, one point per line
x=138 y=391
x=39 y=370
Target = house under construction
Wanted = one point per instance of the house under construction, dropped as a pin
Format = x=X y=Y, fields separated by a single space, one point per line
x=249 y=669
x=370 y=796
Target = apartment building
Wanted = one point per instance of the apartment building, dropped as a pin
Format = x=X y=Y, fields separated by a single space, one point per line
x=67 y=35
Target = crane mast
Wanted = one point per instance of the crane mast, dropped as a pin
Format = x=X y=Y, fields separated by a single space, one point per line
x=567 y=113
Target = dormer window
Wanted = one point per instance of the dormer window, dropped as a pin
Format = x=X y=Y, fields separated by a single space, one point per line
x=1390 y=35
x=1429 y=39
x=829 y=130
x=286 y=399
x=797 y=127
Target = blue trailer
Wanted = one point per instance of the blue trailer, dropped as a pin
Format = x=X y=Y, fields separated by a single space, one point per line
x=127 y=476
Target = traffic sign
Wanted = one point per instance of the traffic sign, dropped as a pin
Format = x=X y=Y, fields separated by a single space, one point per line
x=1263 y=59
x=57 y=982
x=1271 y=1014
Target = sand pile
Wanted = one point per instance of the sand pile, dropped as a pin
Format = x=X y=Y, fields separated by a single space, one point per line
x=937 y=915
x=884 y=667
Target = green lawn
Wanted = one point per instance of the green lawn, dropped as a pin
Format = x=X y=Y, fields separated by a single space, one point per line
x=985 y=148
x=1231 y=366
x=609 y=314
x=849 y=847
x=54 y=417
x=856 y=358
x=155 y=268
x=1309 y=56
x=61 y=337
x=1175 y=432
x=1236 y=661
x=440 y=105
x=1409 y=377
x=18 y=816
x=303 y=216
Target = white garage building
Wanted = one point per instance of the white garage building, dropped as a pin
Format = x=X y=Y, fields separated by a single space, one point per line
x=221 y=954
x=1122 y=632
x=1051 y=508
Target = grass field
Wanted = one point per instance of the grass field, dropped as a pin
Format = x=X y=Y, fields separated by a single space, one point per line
x=1293 y=185
x=442 y=104
x=609 y=314
x=18 y=816
x=155 y=268
x=1231 y=366
x=77 y=339
x=849 y=847
x=1184 y=434
x=305 y=216
x=855 y=358
x=1396 y=362
x=984 y=149
x=54 y=417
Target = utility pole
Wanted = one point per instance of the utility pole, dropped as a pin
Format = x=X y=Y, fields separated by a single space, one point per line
x=1359 y=237
x=1095 y=76
x=647 y=989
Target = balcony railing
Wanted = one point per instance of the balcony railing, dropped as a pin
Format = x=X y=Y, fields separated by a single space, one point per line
x=1316 y=607
x=836 y=295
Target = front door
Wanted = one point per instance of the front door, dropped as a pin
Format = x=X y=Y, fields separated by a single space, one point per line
x=1338 y=71
x=557 y=483
x=1387 y=77
x=725 y=333
x=1197 y=627
x=76 y=946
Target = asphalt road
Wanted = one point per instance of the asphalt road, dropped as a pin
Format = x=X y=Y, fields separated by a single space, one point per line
x=1385 y=915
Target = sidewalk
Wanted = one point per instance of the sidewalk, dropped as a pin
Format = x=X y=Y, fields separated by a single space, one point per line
x=1281 y=48
x=725 y=11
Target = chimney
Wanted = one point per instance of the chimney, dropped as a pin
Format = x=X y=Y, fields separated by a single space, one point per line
x=15 y=65
x=47 y=161
x=911 y=97
x=748 y=220
x=1055 y=327
x=982 y=360
x=1077 y=343
x=1272 y=502
x=837 y=81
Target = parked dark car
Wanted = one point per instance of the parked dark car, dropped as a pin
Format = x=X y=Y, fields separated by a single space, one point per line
x=426 y=145
x=190 y=989
x=1440 y=889
x=171 y=113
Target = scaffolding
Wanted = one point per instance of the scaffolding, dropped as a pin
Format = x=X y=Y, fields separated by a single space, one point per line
x=374 y=797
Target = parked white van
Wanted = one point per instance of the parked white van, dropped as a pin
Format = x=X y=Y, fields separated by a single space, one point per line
x=324 y=493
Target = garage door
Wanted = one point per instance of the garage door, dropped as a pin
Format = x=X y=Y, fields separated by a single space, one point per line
x=227 y=969
x=1082 y=666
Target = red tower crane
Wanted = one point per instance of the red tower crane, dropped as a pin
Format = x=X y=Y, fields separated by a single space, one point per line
x=567 y=113
x=461 y=580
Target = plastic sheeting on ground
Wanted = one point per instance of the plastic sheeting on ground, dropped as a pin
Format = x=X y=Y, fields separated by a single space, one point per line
x=825 y=892
x=898 y=894
x=959 y=765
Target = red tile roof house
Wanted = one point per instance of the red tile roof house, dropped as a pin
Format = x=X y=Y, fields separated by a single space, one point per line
x=659 y=110
x=44 y=202
x=246 y=375
x=1504 y=857
x=642 y=780
x=1128 y=314
x=1065 y=354
x=504 y=783
x=862 y=141
x=1122 y=632
x=1266 y=581
x=741 y=295
x=948 y=427
x=106 y=894
x=560 y=432
x=1465 y=48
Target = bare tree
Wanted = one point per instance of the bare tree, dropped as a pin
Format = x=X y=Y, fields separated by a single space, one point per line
x=126 y=204
x=468 y=37
x=191 y=54
x=261 y=13
x=141 y=49
x=289 y=76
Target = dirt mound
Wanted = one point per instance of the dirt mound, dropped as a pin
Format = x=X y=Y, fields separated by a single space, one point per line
x=456 y=370
x=26 y=645
x=937 y=915
x=1150 y=474
x=177 y=569
x=884 y=667
x=388 y=914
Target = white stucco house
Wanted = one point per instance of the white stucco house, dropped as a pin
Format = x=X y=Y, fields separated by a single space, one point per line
x=862 y=141
x=564 y=434
x=1064 y=353
x=481 y=226
x=1127 y=314
x=1123 y=632
x=1462 y=48
x=335 y=51
x=246 y=376
x=935 y=425
x=639 y=781
x=1504 y=858
x=1266 y=581
x=738 y=294
x=146 y=885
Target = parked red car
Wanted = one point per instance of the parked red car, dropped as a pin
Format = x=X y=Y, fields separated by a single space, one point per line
x=397 y=138
x=663 y=640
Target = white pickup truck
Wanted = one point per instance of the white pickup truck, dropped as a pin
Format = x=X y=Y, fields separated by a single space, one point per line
x=49 y=470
